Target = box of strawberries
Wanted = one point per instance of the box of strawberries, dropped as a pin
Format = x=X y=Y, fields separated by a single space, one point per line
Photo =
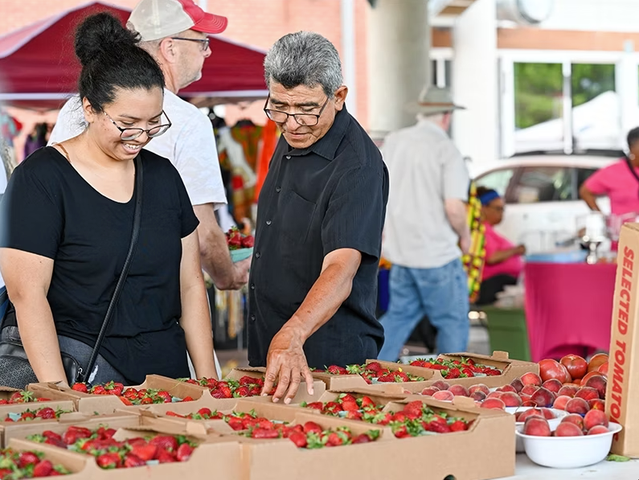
x=240 y=245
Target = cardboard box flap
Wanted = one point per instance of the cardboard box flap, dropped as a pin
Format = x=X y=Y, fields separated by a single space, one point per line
x=162 y=426
x=9 y=389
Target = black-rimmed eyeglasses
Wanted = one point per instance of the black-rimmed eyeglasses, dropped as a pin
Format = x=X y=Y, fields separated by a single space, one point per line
x=203 y=41
x=131 y=133
x=306 y=119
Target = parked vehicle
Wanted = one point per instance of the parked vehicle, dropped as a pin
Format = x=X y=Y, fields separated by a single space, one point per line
x=541 y=192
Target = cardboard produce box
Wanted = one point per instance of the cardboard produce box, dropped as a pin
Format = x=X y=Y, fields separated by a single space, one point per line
x=510 y=368
x=39 y=400
x=22 y=430
x=211 y=459
x=106 y=404
x=623 y=370
x=485 y=451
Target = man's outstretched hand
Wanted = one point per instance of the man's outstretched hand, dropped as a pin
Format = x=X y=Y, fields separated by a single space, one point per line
x=286 y=365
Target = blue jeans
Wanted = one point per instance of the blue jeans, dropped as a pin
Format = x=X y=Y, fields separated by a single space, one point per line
x=440 y=293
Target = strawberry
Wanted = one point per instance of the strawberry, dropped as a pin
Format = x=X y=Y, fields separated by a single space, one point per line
x=184 y=452
x=145 y=452
x=21 y=397
x=437 y=427
x=80 y=387
x=414 y=408
x=374 y=367
x=366 y=401
x=332 y=408
x=350 y=405
x=336 y=439
x=130 y=394
x=242 y=391
x=458 y=426
x=451 y=373
x=43 y=469
x=108 y=460
x=28 y=415
x=362 y=438
x=165 y=457
x=165 y=442
x=315 y=405
x=46 y=413
x=98 y=390
x=298 y=438
x=354 y=415
x=336 y=370
x=312 y=427
x=205 y=412
x=131 y=461
x=27 y=458
x=246 y=380
x=165 y=396
x=262 y=433
x=235 y=423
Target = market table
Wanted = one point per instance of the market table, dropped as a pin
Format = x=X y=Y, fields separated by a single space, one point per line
x=568 y=308
x=527 y=470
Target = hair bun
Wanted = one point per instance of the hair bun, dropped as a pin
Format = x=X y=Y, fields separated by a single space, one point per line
x=102 y=33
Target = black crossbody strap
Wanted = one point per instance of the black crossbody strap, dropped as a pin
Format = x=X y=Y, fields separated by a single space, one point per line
x=84 y=375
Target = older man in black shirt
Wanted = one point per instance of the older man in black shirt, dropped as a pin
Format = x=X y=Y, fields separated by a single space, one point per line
x=321 y=210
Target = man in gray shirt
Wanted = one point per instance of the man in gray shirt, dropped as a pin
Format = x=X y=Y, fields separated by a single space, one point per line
x=426 y=229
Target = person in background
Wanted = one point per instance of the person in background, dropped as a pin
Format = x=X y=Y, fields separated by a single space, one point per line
x=619 y=181
x=66 y=220
x=313 y=285
x=175 y=33
x=503 y=263
x=36 y=139
x=426 y=224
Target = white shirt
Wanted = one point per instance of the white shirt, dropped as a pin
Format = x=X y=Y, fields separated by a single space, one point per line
x=3 y=186
x=425 y=169
x=189 y=144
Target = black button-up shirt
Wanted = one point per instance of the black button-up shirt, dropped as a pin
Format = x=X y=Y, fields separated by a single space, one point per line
x=328 y=196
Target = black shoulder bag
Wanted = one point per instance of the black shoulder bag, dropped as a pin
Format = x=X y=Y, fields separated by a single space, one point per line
x=15 y=370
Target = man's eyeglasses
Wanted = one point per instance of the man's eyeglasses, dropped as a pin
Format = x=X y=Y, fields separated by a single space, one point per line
x=131 y=133
x=306 y=119
x=203 y=41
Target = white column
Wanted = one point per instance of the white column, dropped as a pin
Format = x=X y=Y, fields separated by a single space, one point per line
x=627 y=79
x=348 y=54
x=399 y=41
x=475 y=82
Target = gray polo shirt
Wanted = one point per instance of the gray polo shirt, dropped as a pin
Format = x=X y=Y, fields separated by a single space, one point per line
x=425 y=169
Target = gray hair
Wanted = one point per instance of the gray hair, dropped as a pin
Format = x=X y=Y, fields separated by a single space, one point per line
x=304 y=58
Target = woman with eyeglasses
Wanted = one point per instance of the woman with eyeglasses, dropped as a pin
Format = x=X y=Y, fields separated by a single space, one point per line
x=67 y=221
x=503 y=259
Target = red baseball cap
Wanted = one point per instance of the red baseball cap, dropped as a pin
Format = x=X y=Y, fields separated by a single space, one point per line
x=155 y=19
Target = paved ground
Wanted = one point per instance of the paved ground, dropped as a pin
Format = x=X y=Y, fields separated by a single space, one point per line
x=478 y=343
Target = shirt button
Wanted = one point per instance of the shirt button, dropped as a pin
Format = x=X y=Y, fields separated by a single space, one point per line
x=268 y=222
x=252 y=286
x=278 y=189
x=252 y=318
x=288 y=157
x=258 y=255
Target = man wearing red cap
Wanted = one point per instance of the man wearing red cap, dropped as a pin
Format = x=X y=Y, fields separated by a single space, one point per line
x=176 y=33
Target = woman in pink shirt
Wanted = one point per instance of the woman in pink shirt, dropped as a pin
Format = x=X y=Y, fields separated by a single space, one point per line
x=619 y=181
x=503 y=259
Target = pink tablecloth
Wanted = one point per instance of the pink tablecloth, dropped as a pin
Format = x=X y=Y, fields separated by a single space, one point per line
x=568 y=308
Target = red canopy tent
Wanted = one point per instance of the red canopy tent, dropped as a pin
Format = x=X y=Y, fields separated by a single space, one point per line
x=38 y=67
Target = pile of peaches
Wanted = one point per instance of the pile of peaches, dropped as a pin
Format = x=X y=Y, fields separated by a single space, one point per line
x=572 y=384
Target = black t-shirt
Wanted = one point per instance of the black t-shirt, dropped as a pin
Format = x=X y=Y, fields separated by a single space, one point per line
x=329 y=196
x=50 y=210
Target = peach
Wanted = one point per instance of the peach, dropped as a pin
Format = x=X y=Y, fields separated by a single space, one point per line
x=548 y=413
x=459 y=390
x=597 y=404
x=430 y=391
x=495 y=403
x=543 y=397
x=596 y=361
x=577 y=405
x=479 y=386
x=531 y=412
x=507 y=388
x=444 y=395
x=511 y=399
x=567 y=429
x=603 y=368
x=531 y=378
x=537 y=426
x=560 y=402
x=478 y=395
x=495 y=394
x=517 y=384
x=576 y=365
x=598 y=382
x=568 y=390
x=587 y=393
x=594 y=418
x=528 y=403
x=441 y=385
x=574 y=418
x=597 y=430
x=529 y=389
x=553 y=385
